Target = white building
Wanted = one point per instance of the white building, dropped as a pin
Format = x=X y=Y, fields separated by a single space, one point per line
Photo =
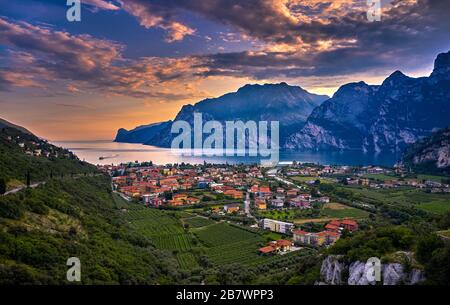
x=277 y=226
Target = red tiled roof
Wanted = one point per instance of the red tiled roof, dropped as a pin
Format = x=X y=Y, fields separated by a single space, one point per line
x=267 y=249
x=284 y=243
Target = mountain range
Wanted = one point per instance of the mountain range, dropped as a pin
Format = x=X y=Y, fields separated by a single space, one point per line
x=361 y=117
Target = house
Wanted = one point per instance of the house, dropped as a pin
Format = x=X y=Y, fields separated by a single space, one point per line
x=234 y=194
x=292 y=193
x=301 y=204
x=193 y=200
x=232 y=208
x=267 y=250
x=339 y=225
x=254 y=189
x=350 y=225
x=265 y=191
x=281 y=245
x=261 y=205
x=277 y=203
x=323 y=238
x=277 y=226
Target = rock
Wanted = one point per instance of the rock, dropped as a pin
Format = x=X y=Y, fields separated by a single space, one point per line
x=416 y=276
x=357 y=274
x=393 y=274
x=331 y=270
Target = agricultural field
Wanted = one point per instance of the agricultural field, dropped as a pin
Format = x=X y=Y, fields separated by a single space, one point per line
x=197 y=222
x=305 y=179
x=187 y=261
x=430 y=202
x=221 y=234
x=337 y=210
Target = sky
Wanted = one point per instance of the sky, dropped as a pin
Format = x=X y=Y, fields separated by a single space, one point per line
x=135 y=62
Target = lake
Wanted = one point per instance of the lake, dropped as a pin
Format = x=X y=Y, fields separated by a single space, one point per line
x=116 y=153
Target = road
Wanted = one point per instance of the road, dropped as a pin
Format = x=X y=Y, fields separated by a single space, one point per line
x=18 y=189
x=282 y=180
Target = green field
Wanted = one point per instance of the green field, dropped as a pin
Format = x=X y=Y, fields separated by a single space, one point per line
x=227 y=244
x=431 y=202
x=198 y=222
x=344 y=213
x=304 y=179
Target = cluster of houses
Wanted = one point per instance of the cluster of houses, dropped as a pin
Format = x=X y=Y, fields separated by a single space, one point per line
x=279 y=246
x=39 y=148
x=329 y=236
x=282 y=198
x=151 y=184
x=315 y=171
x=433 y=186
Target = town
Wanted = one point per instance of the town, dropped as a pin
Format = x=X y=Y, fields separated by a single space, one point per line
x=302 y=205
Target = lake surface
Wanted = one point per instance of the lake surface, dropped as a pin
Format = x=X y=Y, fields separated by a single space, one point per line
x=116 y=153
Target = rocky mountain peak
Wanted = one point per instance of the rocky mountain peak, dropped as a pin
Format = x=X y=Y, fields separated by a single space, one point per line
x=442 y=66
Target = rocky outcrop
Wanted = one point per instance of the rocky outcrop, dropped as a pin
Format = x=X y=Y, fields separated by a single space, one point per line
x=335 y=272
x=331 y=270
x=431 y=154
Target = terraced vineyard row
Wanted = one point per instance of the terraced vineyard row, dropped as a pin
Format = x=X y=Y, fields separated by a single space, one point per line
x=187 y=261
x=180 y=242
x=243 y=252
x=222 y=234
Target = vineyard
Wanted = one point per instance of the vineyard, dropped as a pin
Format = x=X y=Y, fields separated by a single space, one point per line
x=222 y=234
x=198 y=222
x=187 y=261
x=186 y=234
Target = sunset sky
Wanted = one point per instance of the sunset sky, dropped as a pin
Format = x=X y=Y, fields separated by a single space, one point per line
x=135 y=62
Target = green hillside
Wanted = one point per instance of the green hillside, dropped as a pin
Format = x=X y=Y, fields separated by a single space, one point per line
x=22 y=153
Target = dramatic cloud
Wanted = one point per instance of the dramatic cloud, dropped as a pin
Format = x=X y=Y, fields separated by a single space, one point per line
x=41 y=57
x=101 y=4
x=308 y=37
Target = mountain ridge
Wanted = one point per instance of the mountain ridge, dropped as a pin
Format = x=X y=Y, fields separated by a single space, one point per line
x=384 y=118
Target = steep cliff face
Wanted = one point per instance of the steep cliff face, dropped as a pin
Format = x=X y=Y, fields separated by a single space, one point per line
x=431 y=154
x=384 y=118
x=335 y=272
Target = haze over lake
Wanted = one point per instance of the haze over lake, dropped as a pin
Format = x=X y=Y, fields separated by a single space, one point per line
x=116 y=153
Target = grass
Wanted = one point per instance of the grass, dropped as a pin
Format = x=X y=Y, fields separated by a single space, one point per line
x=304 y=179
x=437 y=207
x=338 y=210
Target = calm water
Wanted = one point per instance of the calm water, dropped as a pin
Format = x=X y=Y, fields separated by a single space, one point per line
x=116 y=153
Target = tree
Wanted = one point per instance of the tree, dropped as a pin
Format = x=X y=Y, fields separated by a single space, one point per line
x=28 y=178
x=2 y=186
